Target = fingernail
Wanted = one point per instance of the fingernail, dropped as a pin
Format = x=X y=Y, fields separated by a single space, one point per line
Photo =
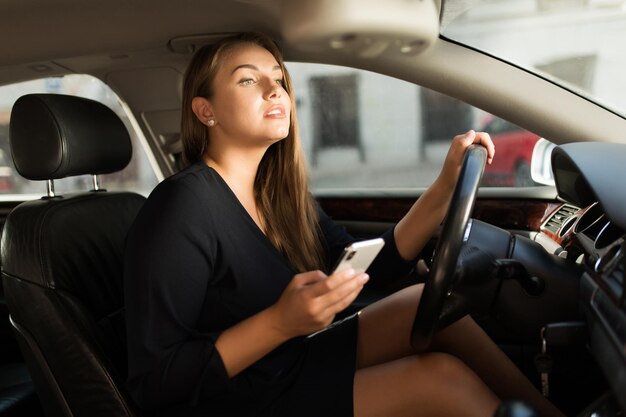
x=365 y=278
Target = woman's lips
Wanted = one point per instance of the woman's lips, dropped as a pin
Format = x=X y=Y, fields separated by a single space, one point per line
x=276 y=112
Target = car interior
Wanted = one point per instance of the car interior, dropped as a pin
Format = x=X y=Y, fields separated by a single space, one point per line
x=539 y=266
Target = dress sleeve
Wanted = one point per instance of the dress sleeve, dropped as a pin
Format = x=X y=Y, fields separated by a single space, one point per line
x=387 y=266
x=169 y=260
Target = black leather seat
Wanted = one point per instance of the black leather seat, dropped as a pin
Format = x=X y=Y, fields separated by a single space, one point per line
x=62 y=256
x=17 y=393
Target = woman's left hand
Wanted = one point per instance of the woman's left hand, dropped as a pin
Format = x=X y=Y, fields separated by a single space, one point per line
x=420 y=223
x=454 y=159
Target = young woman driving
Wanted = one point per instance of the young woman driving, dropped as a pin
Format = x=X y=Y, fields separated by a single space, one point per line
x=224 y=281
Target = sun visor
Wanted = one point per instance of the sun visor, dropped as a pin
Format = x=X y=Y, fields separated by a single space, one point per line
x=362 y=28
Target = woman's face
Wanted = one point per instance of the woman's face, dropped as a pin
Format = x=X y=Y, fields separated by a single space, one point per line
x=249 y=103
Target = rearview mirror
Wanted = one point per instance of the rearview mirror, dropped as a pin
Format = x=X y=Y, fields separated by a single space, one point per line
x=541 y=162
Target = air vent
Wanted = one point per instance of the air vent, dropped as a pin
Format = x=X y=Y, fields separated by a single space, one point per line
x=556 y=220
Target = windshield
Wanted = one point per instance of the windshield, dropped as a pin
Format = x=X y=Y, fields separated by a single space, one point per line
x=576 y=43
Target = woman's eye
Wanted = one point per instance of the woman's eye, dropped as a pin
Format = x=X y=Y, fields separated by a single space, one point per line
x=280 y=82
x=247 y=81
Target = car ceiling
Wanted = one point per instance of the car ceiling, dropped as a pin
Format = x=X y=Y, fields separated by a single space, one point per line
x=135 y=45
x=42 y=30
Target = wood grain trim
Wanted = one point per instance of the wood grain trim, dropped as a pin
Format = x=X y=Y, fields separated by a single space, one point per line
x=505 y=213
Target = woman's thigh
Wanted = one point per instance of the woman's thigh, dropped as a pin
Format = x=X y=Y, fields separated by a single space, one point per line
x=385 y=327
x=432 y=384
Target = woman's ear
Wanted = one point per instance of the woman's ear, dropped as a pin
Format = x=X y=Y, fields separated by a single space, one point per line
x=202 y=109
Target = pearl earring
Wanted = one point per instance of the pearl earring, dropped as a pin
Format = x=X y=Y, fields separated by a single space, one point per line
x=210 y=122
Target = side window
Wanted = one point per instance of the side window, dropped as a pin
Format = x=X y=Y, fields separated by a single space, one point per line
x=365 y=130
x=139 y=175
x=336 y=123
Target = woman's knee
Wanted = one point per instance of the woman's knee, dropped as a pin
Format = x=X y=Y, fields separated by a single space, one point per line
x=454 y=378
x=448 y=369
x=440 y=363
x=432 y=384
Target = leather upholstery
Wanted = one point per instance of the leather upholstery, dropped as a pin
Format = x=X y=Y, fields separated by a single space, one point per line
x=62 y=268
x=17 y=393
x=60 y=136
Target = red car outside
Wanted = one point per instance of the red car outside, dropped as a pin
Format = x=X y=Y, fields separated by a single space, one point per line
x=514 y=150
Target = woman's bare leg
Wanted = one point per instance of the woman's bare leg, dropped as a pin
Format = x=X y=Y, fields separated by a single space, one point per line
x=432 y=384
x=384 y=332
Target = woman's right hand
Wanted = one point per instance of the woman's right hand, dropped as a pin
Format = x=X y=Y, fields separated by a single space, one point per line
x=311 y=300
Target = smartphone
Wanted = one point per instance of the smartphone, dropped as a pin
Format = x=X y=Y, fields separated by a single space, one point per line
x=359 y=255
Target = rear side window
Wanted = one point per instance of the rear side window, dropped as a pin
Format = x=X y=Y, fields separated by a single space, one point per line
x=139 y=176
x=365 y=130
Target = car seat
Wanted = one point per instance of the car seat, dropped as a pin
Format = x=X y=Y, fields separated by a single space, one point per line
x=62 y=256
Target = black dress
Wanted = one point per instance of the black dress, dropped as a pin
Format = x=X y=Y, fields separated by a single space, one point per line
x=195 y=265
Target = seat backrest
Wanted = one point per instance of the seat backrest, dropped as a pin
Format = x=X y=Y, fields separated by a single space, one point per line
x=61 y=256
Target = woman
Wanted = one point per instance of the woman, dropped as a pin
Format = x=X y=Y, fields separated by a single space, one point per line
x=224 y=281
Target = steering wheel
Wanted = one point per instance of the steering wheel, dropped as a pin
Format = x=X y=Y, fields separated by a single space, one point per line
x=455 y=231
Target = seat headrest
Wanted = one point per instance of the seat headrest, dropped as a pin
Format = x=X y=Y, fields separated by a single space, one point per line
x=56 y=136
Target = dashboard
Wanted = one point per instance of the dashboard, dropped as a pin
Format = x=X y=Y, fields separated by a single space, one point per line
x=589 y=228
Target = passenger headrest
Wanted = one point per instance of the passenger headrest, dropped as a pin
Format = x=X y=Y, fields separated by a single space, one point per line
x=55 y=136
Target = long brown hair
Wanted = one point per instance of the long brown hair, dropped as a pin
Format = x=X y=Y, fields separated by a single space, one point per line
x=281 y=186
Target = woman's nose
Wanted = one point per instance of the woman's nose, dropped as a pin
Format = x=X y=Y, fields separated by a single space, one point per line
x=274 y=90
